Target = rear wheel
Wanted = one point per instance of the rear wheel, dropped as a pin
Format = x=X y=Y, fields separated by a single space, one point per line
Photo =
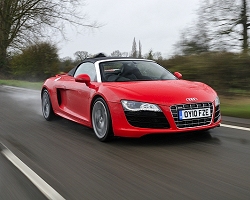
x=47 y=109
x=101 y=120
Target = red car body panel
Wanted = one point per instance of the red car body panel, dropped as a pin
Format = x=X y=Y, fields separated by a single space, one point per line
x=73 y=100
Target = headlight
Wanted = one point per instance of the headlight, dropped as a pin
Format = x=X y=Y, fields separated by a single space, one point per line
x=139 y=106
x=217 y=101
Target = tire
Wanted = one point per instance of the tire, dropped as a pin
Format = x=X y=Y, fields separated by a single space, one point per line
x=101 y=120
x=47 y=109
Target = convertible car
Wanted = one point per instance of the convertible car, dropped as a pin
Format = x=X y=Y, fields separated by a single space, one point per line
x=129 y=97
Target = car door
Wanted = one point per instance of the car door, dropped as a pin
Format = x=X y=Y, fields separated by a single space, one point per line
x=78 y=94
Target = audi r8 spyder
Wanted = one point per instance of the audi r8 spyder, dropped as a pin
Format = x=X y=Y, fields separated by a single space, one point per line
x=130 y=97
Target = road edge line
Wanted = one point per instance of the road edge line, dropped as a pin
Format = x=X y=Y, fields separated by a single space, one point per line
x=235 y=127
x=44 y=187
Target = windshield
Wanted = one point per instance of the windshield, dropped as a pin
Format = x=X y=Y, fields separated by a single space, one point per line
x=133 y=70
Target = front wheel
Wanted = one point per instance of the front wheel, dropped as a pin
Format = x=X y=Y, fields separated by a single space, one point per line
x=101 y=120
x=47 y=109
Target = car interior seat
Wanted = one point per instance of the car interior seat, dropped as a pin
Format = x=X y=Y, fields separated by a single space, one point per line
x=131 y=72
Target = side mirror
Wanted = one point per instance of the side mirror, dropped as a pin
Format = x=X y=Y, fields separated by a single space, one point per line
x=83 y=78
x=178 y=75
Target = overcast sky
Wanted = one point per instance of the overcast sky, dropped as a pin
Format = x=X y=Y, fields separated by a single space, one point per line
x=156 y=23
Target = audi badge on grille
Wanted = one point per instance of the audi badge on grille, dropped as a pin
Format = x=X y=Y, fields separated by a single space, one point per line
x=192 y=99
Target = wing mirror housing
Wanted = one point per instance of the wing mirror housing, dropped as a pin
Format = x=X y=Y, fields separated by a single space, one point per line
x=178 y=75
x=83 y=78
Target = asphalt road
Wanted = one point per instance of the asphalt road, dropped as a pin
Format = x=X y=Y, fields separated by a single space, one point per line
x=69 y=158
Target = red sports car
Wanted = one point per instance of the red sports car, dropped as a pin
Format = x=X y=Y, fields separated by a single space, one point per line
x=130 y=97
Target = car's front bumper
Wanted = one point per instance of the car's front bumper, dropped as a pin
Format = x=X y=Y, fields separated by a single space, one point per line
x=122 y=127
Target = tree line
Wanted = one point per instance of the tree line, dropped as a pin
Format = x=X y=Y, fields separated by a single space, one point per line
x=40 y=60
x=226 y=72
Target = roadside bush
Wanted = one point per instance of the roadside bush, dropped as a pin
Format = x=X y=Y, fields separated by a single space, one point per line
x=228 y=73
x=36 y=62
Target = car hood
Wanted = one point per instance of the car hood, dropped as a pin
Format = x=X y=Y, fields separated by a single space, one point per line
x=163 y=92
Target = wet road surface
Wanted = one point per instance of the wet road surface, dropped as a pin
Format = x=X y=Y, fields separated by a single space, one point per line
x=215 y=165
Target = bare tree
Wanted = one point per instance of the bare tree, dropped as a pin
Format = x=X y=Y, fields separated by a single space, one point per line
x=229 y=23
x=116 y=53
x=193 y=40
x=81 y=55
x=222 y=25
x=157 y=56
x=24 y=21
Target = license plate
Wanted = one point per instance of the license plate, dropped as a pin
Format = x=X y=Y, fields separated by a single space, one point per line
x=195 y=113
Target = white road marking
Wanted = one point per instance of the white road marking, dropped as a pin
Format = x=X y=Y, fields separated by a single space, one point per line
x=45 y=188
x=236 y=127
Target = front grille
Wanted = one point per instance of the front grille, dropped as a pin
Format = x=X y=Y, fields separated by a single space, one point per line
x=217 y=113
x=187 y=123
x=147 y=119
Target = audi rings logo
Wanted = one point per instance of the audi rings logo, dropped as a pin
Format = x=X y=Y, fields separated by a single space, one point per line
x=191 y=99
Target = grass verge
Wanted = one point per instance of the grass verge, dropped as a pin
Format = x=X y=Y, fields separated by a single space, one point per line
x=23 y=84
x=238 y=106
